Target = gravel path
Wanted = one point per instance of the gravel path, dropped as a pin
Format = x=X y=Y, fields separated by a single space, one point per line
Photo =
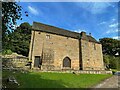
x=112 y=82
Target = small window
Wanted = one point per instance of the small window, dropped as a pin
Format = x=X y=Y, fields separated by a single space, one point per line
x=48 y=36
x=39 y=32
x=94 y=47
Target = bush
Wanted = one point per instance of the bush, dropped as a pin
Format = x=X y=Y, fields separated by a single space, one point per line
x=111 y=62
x=8 y=52
x=114 y=71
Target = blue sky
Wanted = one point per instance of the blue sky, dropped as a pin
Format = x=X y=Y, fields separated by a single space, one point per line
x=98 y=18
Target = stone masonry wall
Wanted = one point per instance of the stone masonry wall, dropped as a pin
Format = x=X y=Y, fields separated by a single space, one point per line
x=56 y=47
x=14 y=61
x=91 y=56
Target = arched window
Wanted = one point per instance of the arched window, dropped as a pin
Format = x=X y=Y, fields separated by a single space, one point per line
x=66 y=62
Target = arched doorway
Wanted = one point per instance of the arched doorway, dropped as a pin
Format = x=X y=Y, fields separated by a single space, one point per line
x=67 y=62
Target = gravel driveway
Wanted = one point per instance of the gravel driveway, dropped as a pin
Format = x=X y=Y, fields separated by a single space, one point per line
x=112 y=82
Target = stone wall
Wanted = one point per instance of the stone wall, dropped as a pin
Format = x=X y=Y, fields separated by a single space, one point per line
x=56 y=47
x=79 y=71
x=14 y=61
x=92 y=57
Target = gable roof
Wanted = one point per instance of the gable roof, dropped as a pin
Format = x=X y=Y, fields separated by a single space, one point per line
x=59 y=31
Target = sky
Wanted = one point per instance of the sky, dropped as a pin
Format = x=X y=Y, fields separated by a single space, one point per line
x=98 y=18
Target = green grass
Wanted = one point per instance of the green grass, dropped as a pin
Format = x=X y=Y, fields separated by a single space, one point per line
x=56 y=80
x=114 y=70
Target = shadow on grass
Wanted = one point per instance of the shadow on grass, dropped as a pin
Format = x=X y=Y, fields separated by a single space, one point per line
x=38 y=82
x=28 y=80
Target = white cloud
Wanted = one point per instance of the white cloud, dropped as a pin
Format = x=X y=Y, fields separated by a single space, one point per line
x=112 y=31
x=113 y=25
x=95 y=7
x=102 y=23
x=116 y=37
x=33 y=10
x=99 y=7
x=113 y=19
x=79 y=30
x=112 y=28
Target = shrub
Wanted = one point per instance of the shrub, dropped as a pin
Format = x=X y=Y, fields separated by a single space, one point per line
x=8 y=52
x=111 y=62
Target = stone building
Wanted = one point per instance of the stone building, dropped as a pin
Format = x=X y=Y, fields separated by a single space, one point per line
x=54 y=48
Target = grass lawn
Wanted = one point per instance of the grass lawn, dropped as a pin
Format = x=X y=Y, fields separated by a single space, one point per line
x=55 y=80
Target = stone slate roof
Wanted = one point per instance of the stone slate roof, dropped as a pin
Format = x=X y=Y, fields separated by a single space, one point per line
x=59 y=31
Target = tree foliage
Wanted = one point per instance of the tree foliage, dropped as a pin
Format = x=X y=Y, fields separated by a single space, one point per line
x=11 y=11
x=8 y=52
x=111 y=61
x=110 y=46
x=20 y=39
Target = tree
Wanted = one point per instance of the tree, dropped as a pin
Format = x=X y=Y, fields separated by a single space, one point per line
x=110 y=46
x=20 y=39
x=11 y=12
x=106 y=61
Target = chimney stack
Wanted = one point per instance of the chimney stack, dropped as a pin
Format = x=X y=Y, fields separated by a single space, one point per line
x=83 y=34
